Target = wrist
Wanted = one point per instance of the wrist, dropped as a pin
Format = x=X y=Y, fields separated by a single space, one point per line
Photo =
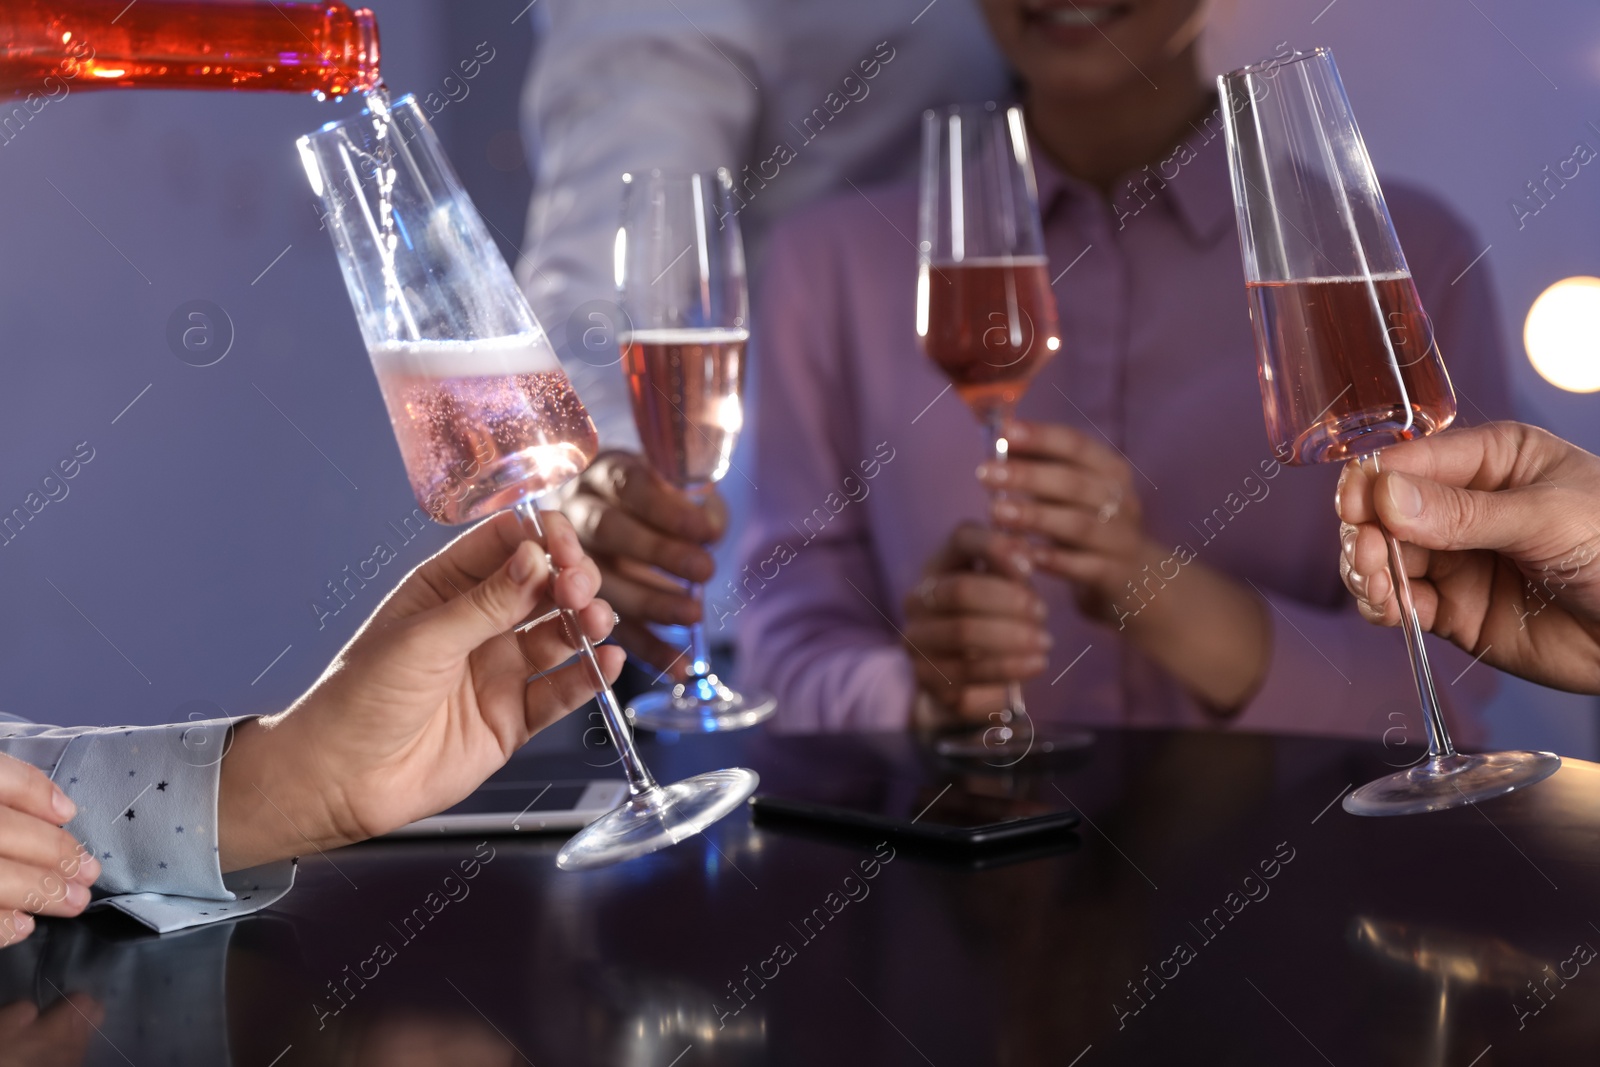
x=1136 y=592
x=267 y=809
x=1213 y=634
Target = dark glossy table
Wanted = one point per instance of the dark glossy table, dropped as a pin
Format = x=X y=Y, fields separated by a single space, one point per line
x=1153 y=937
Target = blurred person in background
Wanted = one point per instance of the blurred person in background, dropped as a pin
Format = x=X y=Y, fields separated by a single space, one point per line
x=1152 y=565
x=797 y=101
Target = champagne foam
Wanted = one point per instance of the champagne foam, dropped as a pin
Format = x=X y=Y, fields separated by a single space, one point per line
x=486 y=358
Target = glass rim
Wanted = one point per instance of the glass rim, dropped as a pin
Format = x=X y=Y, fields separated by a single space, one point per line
x=972 y=107
x=403 y=100
x=1275 y=63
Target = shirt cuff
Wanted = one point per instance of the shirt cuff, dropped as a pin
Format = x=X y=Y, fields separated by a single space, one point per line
x=248 y=891
x=147 y=809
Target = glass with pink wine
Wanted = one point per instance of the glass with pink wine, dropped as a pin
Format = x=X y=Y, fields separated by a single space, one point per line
x=987 y=318
x=484 y=415
x=680 y=269
x=1347 y=357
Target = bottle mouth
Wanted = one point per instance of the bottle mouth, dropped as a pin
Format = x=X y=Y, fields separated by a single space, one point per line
x=368 y=76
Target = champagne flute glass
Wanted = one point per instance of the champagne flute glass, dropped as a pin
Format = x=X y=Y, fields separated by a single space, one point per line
x=986 y=316
x=1347 y=356
x=484 y=416
x=680 y=266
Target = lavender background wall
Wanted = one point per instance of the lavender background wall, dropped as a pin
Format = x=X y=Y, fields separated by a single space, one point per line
x=178 y=572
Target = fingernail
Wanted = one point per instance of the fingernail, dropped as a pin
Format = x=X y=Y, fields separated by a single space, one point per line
x=1005 y=511
x=521 y=568
x=1015 y=431
x=582 y=585
x=1405 y=496
x=1039 y=609
x=77 y=895
x=63 y=806
x=1043 y=640
x=89 y=869
x=1023 y=564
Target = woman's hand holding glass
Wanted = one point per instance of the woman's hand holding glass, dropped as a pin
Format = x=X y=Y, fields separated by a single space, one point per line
x=973 y=624
x=1072 y=499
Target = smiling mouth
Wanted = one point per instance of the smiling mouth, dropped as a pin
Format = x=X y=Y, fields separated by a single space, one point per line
x=1074 y=16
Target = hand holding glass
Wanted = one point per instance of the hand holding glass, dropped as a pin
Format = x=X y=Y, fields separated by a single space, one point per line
x=680 y=266
x=1347 y=356
x=484 y=415
x=986 y=315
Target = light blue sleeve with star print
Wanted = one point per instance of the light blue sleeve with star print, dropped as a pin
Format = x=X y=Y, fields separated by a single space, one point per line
x=147 y=808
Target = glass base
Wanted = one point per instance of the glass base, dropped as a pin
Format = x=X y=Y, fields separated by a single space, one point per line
x=680 y=709
x=1450 y=782
x=1356 y=433
x=1000 y=747
x=651 y=821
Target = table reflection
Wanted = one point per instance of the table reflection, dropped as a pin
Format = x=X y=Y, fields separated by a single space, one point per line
x=97 y=991
x=110 y=997
x=648 y=1020
x=1452 y=961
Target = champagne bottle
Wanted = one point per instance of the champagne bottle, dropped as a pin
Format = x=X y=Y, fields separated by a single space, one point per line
x=49 y=48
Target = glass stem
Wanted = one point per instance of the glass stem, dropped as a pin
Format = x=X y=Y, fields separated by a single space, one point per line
x=701 y=683
x=1439 y=745
x=1015 y=709
x=640 y=780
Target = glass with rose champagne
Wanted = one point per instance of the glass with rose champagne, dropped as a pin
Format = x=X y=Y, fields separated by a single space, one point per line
x=1347 y=357
x=680 y=269
x=986 y=317
x=485 y=418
